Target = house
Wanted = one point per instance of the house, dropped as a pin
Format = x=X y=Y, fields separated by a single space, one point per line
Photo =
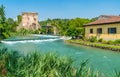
x=29 y=21
x=105 y=27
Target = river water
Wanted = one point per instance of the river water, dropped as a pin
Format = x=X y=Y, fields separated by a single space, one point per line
x=104 y=61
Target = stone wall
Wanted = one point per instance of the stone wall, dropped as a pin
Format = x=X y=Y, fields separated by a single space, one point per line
x=29 y=21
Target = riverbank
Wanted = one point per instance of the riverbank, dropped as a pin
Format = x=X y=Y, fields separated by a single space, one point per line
x=96 y=45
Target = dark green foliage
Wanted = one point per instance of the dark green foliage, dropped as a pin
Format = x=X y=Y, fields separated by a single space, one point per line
x=23 y=32
x=2 y=21
x=94 y=19
x=82 y=69
x=19 y=18
x=117 y=41
x=7 y=26
x=100 y=40
x=10 y=25
x=2 y=14
x=110 y=42
x=72 y=31
x=117 y=74
x=68 y=27
x=93 y=39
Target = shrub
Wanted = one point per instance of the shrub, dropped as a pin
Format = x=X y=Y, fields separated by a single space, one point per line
x=104 y=42
x=110 y=42
x=93 y=39
x=100 y=40
x=117 y=41
x=5 y=35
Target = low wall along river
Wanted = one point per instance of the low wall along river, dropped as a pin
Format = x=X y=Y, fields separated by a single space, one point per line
x=104 y=61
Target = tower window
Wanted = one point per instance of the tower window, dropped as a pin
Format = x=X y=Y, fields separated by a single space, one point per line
x=34 y=19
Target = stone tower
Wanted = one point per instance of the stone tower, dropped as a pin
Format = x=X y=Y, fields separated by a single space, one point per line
x=29 y=21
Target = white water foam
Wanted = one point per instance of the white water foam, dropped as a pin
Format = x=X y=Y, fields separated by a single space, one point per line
x=28 y=41
x=44 y=35
x=65 y=38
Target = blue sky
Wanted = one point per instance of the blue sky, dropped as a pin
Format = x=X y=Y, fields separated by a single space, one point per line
x=62 y=8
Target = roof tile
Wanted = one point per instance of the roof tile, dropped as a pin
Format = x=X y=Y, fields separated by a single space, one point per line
x=105 y=19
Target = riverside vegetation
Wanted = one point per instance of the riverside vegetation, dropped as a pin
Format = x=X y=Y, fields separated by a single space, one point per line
x=100 y=43
x=14 y=64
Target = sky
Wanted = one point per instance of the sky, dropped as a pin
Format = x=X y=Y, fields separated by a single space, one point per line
x=64 y=9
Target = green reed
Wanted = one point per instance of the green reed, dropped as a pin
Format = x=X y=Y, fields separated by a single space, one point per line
x=13 y=64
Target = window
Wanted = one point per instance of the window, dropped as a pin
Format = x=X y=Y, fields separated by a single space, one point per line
x=28 y=18
x=111 y=30
x=91 y=31
x=34 y=19
x=99 y=30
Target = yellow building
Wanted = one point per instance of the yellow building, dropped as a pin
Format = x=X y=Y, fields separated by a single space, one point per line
x=105 y=27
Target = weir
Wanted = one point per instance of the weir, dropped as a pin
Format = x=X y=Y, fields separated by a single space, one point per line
x=32 y=39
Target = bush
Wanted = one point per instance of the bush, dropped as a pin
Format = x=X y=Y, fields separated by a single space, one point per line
x=5 y=35
x=93 y=39
x=100 y=40
x=110 y=42
x=117 y=41
x=104 y=42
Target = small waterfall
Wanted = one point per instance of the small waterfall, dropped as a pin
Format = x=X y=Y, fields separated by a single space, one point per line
x=39 y=39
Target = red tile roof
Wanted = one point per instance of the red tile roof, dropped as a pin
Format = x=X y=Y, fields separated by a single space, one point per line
x=104 y=19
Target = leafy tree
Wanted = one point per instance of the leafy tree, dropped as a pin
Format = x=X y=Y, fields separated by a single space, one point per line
x=7 y=26
x=9 y=23
x=2 y=22
x=76 y=27
x=2 y=14
x=19 y=18
x=68 y=27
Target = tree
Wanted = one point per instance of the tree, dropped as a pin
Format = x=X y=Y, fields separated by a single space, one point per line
x=76 y=27
x=69 y=27
x=11 y=25
x=7 y=26
x=2 y=22
x=2 y=14
x=19 y=18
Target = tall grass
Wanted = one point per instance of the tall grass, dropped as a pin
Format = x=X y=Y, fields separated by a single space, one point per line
x=13 y=64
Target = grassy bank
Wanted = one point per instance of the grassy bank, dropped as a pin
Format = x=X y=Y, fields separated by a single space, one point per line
x=97 y=45
x=13 y=64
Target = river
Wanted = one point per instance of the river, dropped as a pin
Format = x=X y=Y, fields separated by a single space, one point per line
x=104 y=61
